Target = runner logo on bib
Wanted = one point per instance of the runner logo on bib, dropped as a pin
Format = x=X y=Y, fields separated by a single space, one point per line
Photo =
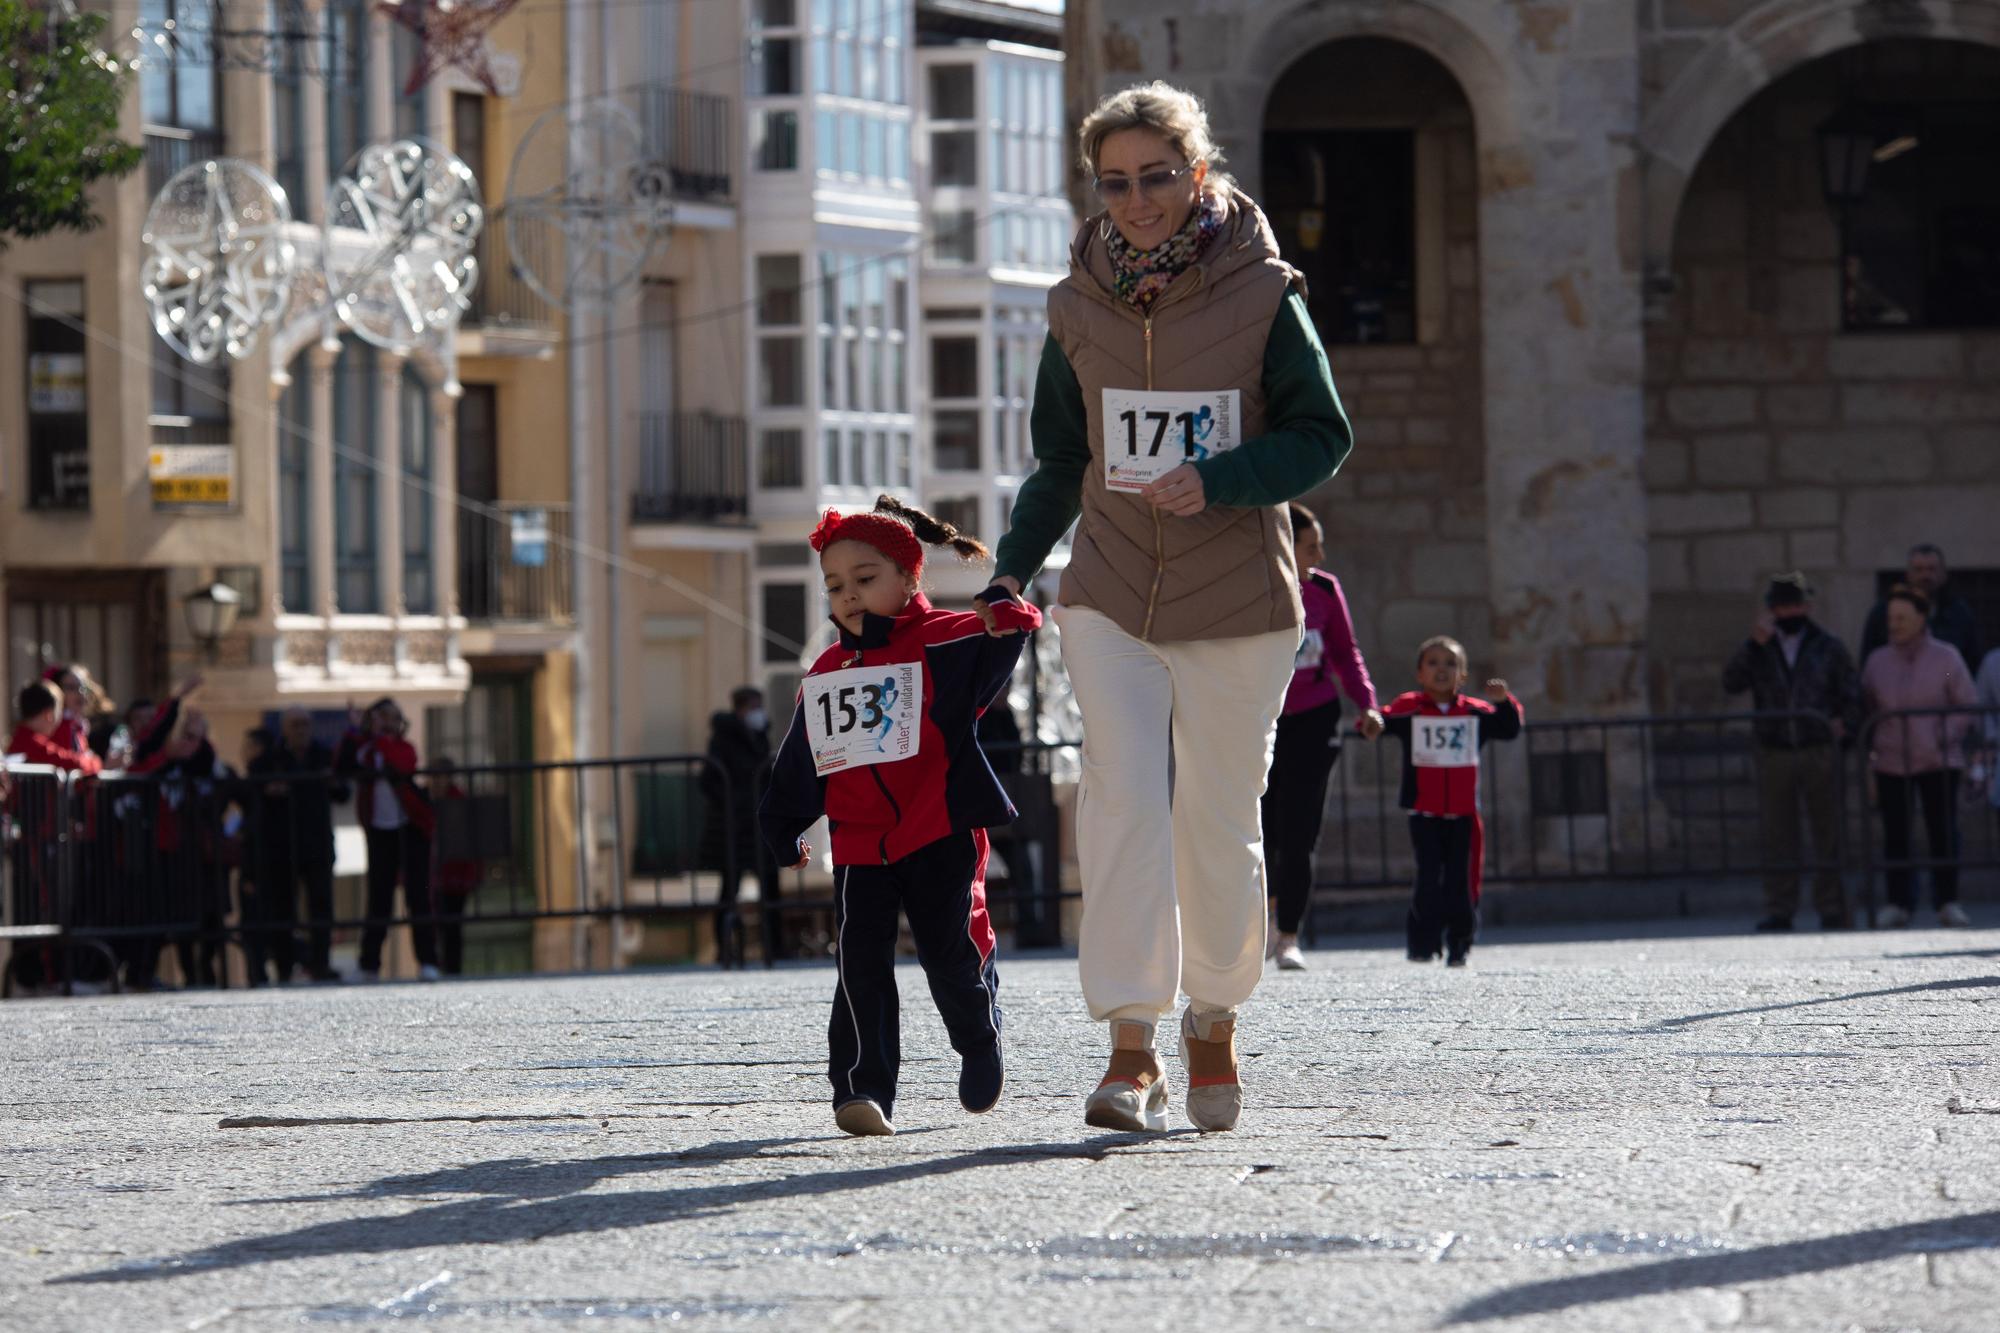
x=1148 y=434
x=1444 y=742
x=864 y=715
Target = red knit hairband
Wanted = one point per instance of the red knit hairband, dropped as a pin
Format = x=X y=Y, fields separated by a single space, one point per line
x=891 y=536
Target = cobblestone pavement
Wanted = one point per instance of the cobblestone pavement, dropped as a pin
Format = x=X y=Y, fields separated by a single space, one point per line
x=1671 y=1133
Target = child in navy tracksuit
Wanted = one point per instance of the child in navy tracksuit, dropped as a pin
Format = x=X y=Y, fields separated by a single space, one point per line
x=1442 y=731
x=881 y=743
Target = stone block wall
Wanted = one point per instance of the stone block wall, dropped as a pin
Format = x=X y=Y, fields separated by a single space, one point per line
x=1774 y=439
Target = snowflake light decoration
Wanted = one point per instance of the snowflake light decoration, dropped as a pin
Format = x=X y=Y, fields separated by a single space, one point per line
x=219 y=265
x=400 y=229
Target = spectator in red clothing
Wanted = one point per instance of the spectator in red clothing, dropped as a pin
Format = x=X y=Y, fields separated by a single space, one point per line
x=83 y=702
x=457 y=879
x=37 y=738
x=397 y=819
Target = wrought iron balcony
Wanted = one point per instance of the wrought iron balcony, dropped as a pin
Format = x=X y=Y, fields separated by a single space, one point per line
x=694 y=467
x=170 y=148
x=690 y=132
x=514 y=564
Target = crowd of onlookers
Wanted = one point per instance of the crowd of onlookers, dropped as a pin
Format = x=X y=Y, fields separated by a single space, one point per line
x=1931 y=725
x=187 y=850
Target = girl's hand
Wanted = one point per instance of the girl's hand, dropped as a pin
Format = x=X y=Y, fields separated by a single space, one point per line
x=985 y=612
x=1496 y=690
x=1370 y=725
x=1180 y=492
x=805 y=856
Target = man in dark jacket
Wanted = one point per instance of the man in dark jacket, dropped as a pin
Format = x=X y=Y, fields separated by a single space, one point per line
x=1952 y=620
x=1791 y=666
x=291 y=831
x=739 y=745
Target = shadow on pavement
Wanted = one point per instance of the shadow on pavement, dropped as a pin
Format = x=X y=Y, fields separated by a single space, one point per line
x=1958 y=983
x=526 y=1201
x=1975 y=1231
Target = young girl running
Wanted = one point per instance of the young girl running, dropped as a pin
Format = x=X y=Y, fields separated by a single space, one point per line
x=881 y=743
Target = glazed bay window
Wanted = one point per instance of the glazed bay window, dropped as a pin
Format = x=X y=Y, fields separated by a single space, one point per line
x=780 y=357
x=295 y=499
x=413 y=398
x=955 y=439
x=785 y=621
x=781 y=459
x=356 y=589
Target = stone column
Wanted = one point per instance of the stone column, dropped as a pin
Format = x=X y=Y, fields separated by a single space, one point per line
x=312 y=129
x=319 y=465
x=388 y=456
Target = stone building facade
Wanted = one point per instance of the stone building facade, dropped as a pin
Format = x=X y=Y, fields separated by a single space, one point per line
x=1637 y=370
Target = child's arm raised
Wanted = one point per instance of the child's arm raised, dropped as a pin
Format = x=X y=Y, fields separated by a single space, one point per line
x=1508 y=715
x=797 y=795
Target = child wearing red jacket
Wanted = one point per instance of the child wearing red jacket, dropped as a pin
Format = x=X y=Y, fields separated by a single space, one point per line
x=882 y=744
x=1442 y=730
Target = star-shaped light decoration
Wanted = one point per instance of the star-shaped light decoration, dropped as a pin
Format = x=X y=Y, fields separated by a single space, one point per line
x=453 y=33
x=219 y=264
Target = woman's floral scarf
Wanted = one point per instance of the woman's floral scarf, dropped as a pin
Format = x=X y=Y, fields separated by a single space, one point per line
x=1141 y=275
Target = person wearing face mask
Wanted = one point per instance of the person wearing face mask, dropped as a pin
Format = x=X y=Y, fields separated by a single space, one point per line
x=739 y=743
x=1790 y=666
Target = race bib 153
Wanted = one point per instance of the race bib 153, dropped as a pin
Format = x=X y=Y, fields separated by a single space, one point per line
x=1148 y=434
x=1444 y=742
x=864 y=715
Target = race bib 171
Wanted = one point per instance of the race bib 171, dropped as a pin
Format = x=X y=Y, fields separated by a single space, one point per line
x=1148 y=434
x=1444 y=742
x=864 y=715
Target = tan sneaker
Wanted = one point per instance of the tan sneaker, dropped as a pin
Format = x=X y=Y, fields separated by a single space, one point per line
x=1133 y=1095
x=1208 y=1049
x=863 y=1118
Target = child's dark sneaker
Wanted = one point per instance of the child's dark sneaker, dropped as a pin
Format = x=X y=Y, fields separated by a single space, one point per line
x=1419 y=956
x=862 y=1118
x=1457 y=957
x=981 y=1076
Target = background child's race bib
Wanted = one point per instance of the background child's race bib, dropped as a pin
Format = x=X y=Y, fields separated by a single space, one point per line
x=1148 y=434
x=864 y=715
x=1312 y=650
x=1444 y=742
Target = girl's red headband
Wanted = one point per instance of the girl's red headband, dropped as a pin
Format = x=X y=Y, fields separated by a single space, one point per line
x=891 y=536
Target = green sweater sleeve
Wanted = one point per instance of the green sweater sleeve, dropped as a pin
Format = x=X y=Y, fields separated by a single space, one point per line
x=1052 y=497
x=1308 y=436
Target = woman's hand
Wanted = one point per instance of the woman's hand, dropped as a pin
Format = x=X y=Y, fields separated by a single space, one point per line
x=1370 y=725
x=985 y=612
x=805 y=856
x=1180 y=492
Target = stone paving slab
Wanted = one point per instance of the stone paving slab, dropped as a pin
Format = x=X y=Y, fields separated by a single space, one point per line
x=1666 y=1133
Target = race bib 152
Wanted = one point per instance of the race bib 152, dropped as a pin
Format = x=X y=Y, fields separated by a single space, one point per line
x=864 y=715
x=1148 y=434
x=1444 y=742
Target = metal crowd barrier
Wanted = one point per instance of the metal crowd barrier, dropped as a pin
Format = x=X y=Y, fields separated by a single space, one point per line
x=102 y=873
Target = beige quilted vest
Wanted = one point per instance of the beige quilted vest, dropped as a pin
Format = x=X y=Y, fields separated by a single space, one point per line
x=1225 y=572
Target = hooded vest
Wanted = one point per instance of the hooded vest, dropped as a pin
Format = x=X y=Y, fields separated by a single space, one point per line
x=1226 y=572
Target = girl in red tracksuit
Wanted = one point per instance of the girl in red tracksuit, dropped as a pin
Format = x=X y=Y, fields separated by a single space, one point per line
x=881 y=743
x=1442 y=730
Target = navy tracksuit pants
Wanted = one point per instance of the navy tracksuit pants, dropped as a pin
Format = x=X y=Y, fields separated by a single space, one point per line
x=938 y=887
x=1441 y=910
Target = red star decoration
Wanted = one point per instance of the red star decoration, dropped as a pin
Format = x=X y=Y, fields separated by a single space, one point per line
x=453 y=33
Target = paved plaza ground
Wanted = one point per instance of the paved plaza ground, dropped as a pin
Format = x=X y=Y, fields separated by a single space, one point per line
x=1678 y=1132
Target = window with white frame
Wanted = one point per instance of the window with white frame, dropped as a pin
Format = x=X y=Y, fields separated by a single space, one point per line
x=862 y=341
x=780 y=343
x=860 y=51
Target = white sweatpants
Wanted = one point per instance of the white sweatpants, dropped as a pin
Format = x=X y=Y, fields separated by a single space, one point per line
x=1173 y=880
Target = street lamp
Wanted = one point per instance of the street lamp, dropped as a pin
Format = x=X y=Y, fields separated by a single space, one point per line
x=211 y=613
x=1847 y=142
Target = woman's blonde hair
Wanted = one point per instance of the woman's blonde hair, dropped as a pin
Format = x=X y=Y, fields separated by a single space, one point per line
x=1171 y=112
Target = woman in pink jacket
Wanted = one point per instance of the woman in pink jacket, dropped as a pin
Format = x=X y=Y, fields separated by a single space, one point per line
x=1918 y=758
x=1327 y=665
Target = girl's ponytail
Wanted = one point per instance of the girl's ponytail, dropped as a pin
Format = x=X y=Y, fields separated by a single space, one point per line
x=932 y=531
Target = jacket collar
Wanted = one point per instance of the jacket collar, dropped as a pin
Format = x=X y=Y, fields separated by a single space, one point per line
x=1246 y=239
x=876 y=631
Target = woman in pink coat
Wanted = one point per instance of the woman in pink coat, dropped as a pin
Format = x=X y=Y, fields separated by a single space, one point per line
x=1918 y=757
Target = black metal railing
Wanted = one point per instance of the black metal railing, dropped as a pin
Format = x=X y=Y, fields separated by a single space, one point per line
x=514 y=563
x=694 y=467
x=170 y=149
x=689 y=133
x=503 y=298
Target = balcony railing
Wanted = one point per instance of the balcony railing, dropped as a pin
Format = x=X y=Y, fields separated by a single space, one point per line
x=694 y=467
x=190 y=430
x=514 y=564
x=170 y=148
x=690 y=131
x=503 y=299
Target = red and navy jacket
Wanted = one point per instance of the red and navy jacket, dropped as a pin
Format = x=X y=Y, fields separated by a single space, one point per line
x=390 y=759
x=883 y=812
x=1447 y=791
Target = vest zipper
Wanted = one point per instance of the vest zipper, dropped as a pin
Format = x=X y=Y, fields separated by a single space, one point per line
x=1159 y=524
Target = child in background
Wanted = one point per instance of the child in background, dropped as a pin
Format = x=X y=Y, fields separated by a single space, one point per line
x=1442 y=730
x=882 y=744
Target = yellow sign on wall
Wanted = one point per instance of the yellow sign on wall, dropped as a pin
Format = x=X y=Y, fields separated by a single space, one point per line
x=193 y=475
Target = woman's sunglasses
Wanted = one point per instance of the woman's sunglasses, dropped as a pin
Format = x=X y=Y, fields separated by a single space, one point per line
x=1116 y=189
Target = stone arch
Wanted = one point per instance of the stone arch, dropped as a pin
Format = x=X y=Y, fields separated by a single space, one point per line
x=1757 y=50
x=1461 y=35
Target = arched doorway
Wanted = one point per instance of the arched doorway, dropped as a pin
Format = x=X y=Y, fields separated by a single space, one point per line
x=1369 y=173
x=1819 y=385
